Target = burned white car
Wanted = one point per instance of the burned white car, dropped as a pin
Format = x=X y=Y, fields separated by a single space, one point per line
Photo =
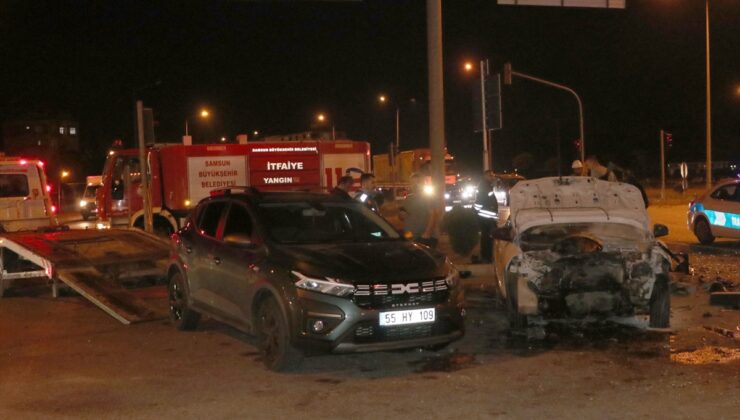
x=578 y=247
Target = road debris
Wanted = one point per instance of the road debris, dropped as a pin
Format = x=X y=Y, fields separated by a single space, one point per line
x=724 y=332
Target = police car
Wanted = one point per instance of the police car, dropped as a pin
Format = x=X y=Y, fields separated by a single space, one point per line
x=717 y=212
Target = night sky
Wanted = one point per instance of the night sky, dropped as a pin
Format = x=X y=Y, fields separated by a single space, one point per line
x=273 y=65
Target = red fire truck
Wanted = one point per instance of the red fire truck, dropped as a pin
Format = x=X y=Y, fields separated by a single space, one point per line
x=181 y=175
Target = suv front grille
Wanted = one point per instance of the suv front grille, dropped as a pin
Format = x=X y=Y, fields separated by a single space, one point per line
x=399 y=295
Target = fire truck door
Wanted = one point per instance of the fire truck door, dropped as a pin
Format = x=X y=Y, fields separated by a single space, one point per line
x=126 y=186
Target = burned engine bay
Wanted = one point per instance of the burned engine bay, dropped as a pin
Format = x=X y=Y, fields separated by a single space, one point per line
x=589 y=269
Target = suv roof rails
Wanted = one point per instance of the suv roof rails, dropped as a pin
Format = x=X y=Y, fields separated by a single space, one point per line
x=227 y=191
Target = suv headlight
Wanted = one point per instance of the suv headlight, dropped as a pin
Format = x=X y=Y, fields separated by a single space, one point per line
x=327 y=285
x=453 y=277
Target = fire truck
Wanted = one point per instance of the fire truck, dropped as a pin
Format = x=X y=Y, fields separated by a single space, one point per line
x=181 y=175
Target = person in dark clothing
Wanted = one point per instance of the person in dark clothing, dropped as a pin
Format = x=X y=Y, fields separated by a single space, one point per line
x=486 y=205
x=343 y=187
x=367 y=194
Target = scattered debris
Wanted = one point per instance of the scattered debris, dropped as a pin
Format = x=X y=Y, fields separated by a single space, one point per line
x=723 y=332
x=727 y=299
x=706 y=355
x=682 y=289
x=706 y=315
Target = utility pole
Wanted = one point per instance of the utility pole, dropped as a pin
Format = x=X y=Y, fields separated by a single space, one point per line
x=147 y=199
x=662 y=165
x=436 y=96
x=484 y=123
x=709 y=104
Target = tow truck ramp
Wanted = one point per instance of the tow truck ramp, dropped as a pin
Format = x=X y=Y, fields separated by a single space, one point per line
x=94 y=263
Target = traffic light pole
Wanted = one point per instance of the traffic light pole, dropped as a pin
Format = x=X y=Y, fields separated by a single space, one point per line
x=567 y=89
x=662 y=165
x=484 y=123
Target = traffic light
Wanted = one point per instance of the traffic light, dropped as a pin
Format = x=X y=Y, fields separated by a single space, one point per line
x=668 y=140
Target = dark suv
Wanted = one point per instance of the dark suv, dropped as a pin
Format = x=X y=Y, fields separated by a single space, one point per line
x=310 y=273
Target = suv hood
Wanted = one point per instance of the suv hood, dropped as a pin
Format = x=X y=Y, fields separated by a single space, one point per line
x=360 y=262
x=575 y=199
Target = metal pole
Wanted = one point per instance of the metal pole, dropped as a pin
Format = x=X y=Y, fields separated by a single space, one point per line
x=484 y=125
x=436 y=97
x=186 y=128
x=662 y=165
x=148 y=216
x=572 y=92
x=398 y=128
x=709 y=105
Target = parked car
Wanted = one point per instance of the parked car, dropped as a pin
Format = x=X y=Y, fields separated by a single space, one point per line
x=717 y=212
x=88 y=208
x=578 y=247
x=310 y=272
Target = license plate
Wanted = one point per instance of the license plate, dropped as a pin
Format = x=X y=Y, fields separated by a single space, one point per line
x=413 y=316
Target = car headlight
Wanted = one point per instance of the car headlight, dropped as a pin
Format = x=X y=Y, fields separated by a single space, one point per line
x=453 y=277
x=328 y=286
x=83 y=203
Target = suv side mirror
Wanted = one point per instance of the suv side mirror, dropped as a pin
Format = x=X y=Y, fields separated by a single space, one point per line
x=502 y=233
x=660 y=230
x=241 y=240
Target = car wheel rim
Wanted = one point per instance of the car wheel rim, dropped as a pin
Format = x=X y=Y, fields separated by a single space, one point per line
x=176 y=301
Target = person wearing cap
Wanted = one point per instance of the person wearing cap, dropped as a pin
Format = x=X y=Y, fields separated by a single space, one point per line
x=366 y=194
x=577 y=167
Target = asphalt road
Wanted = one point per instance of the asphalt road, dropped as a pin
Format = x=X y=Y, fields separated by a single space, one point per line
x=66 y=358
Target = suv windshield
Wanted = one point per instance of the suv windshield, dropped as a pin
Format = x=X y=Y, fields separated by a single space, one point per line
x=544 y=237
x=323 y=222
x=90 y=191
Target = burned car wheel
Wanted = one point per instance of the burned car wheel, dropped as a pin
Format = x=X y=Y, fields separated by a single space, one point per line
x=274 y=338
x=703 y=232
x=181 y=315
x=660 y=304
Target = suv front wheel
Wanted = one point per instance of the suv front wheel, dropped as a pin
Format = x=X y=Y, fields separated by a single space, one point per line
x=274 y=338
x=181 y=315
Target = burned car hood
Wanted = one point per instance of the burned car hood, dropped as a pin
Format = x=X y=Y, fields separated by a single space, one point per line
x=364 y=262
x=575 y=199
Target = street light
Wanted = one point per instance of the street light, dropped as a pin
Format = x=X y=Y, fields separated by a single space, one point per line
x=204 y=114
x=321 y=117
x=383 y=99
x=484 y=124
x=62 y=175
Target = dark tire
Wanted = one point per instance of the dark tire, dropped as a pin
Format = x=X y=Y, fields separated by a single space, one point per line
x=85 y=217
x=278 y=354
x=703 y=232
x=517 y=321
x=182 y=316
x=660 y=304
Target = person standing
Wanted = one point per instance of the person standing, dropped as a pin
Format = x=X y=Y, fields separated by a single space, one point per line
x=366 y=194
x=486 y=205
x=418 y=214
x=343 y=187
x=597 y=170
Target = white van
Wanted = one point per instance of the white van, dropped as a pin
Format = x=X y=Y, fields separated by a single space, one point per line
x=25 y=203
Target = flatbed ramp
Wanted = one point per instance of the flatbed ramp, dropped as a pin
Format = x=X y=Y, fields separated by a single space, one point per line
x=94 y=263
